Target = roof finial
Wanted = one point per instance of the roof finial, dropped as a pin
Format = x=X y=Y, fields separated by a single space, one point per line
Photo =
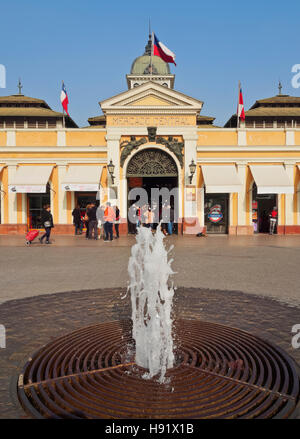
x=20 y=86
x=279 y=87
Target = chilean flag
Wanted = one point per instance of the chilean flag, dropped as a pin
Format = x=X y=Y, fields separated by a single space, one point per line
x=64 y=98
x=240 y=108
x=159 y=49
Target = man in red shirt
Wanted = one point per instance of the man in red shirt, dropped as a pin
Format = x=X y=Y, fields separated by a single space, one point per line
x=273 y=219
x=109 y=218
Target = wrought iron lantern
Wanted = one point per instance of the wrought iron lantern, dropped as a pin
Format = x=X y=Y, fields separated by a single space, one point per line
x=111 y=168
x=192 y=167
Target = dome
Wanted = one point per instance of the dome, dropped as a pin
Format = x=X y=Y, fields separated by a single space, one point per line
x=141 y=66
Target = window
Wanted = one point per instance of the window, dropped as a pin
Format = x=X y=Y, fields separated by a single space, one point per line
x=35 y=207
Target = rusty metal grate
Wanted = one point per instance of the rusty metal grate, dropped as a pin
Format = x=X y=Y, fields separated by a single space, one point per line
x=221 y=372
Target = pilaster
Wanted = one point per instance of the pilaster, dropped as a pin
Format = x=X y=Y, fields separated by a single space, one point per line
x=12 y=197
x=289 y=198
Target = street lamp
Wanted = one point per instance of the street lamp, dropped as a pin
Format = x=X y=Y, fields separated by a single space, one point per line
x=111 y=168
x=192 y=167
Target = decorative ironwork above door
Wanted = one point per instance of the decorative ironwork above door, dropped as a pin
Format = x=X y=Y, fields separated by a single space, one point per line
x=152 y=163
x=172 y=144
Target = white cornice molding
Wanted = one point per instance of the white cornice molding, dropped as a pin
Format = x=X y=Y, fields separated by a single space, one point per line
x=157 y=89
x=145 y=110
x=56 y=161
x=50 y=149
x=239 y=161
x=246 y=149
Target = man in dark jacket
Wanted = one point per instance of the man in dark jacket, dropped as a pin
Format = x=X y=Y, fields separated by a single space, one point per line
x=47 y=221
x=77 y=220
x=91 y=213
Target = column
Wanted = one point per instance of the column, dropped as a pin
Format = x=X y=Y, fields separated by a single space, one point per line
x=12 y=197
x=242 y=206
x=191 y=220
x=113 y=153
x=62 y=195
x=289 y=198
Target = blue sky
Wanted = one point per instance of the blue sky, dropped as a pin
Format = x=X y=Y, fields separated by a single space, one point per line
x=91 y=44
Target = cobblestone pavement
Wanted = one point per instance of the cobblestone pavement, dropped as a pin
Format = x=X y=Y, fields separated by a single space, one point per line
x=50 y=290
x=33 y=322
x=262 y=265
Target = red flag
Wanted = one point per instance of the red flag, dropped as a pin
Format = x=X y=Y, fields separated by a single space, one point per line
x=240 y=108
x=64 y=98
x=159 y=49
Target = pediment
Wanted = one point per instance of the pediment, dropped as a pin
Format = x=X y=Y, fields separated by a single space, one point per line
x=153 y=96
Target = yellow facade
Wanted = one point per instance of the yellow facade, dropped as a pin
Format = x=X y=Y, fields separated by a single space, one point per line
x=266 y=138
x=214 y=138
x=129 y=117
x=36 y=138
x=85 y=138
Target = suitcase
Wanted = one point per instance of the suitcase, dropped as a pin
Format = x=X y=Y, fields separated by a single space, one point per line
x=31 y=236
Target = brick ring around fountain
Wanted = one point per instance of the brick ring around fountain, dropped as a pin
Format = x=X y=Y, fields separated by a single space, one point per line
x=220 y=372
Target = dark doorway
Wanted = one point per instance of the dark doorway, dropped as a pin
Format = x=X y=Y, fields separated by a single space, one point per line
x=216 y=213
x=35 y=204
x=153 y=168
x=149 y=183
x=83 y=199
x=262 y=206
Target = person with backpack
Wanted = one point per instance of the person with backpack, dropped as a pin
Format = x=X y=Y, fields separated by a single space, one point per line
x=92 y=221
x=77 y=220
x=47 y=221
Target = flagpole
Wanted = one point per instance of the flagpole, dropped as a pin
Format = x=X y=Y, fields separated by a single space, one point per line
x=64 y=122
x=238 y=121
x=151 y=52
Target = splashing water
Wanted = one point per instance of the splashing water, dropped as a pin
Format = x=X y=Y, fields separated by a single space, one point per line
x=151 y=300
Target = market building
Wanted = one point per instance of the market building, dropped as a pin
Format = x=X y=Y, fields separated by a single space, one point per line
x=152 y=135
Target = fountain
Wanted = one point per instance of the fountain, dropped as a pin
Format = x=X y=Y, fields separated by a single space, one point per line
x=219 y=372
x=151 y=301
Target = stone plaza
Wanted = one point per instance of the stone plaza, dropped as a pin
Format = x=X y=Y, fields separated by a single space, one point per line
x=249 y=283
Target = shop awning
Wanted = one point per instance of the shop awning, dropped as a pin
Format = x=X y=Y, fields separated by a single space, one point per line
x=221 y=179
x=28 y=179
x=82 y=178
x=271 y=179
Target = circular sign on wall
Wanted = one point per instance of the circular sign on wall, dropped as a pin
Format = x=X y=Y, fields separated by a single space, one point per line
x=215 y=214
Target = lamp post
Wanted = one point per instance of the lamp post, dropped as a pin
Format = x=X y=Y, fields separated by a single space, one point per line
x=192 y=167
x=111 y=168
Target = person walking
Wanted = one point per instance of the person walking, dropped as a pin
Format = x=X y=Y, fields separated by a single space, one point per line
x=165 y=218
x=47 y=221
x=117 y=221
x=92 y=221
x=86 y=220
x=171 y=220
x=77 y=220
x=273 y=220
x=149 y=218
x=109 y=218
x=100 y=219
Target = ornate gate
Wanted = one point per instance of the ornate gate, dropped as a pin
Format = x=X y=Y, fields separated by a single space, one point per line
x=152 y=163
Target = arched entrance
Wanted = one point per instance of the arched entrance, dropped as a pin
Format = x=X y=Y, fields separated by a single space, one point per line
x=153 y=168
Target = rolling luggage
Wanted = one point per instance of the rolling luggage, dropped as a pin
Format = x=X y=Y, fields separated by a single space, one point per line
x=31 y=236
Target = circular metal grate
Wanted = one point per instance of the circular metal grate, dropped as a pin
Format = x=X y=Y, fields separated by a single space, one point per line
x=220 y=372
